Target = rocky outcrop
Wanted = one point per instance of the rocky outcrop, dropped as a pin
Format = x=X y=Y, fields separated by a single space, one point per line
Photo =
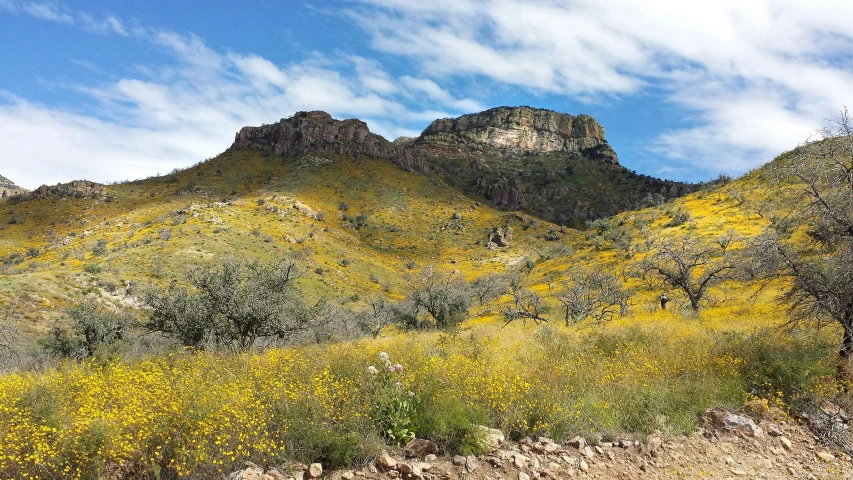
x=74 y=189
x=525 y=129
x=8 y=188
x=317 y=132
x=553 y=165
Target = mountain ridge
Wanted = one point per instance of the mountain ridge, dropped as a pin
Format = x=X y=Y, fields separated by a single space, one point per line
x=550 y=164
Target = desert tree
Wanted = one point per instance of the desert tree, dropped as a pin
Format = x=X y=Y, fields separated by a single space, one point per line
x=8 y=333
x=92 y=326
x=436 y=299
x=488 y=287
x=236 y=304
x=592 y=293
x=379 y=314
x=809 y=246
x=524 y=303
x=688 y=264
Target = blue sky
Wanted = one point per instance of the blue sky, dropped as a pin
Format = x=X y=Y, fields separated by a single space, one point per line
x=110 y=91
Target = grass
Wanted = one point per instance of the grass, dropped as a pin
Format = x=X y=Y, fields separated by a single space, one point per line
x=198 y=413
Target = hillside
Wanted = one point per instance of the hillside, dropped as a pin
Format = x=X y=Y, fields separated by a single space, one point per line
x=337 y=196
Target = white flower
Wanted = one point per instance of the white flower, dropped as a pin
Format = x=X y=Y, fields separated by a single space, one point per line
x=398 y=384
x=384 y=356
x=372 y=370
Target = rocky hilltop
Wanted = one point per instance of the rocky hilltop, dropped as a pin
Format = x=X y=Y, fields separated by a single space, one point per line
x=524 y=129
x=318 y=132
x=8 y=188
x=553 y=165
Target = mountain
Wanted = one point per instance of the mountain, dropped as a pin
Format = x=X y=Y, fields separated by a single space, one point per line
x=553 y=165
x=8 y=188
x=362 y=212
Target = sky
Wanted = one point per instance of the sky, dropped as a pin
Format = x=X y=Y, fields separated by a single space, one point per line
x=116 y=90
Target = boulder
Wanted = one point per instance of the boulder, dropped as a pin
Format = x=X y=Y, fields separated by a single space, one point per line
x=315 y=470
x=730 y=422
x=386 y=462
x=420 y=448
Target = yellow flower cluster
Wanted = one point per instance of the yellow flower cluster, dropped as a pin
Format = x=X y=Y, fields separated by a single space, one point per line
x=195 y=414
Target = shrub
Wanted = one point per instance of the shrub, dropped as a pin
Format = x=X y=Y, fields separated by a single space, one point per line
x=100 y=248
x=92 y=327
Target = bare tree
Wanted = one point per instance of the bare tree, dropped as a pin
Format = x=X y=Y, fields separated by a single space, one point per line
x=525 y=304
x=8 y=333
x=378 y=316
x=437 y=300
x=816 y=179
x=592 y=293
x=488 y=287
x=688 y=264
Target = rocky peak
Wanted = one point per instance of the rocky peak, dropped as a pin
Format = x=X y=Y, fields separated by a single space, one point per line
x=525 y=129
x=318 y=132
x=8 y=188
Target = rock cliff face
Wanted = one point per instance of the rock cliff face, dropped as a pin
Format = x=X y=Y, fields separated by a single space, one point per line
x=524 y=129
x=318 y=132
x=8 y=188
x=73 y=189
x=554 y=165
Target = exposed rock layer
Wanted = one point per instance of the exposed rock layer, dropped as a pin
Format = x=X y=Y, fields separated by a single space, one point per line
x=524 y=129
x=318 y=132
x=554 y=165
x=8 y=188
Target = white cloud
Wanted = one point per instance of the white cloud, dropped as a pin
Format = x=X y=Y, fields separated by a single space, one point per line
x=177 y=114
x=47 y=11
x=752 y=78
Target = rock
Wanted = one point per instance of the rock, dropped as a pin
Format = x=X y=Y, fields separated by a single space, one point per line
x=599 y=450
x=348 y=475
x=315 y=470
x=317 y=132
x=386 y=462
x=495 y=462
x=773 y=429
x=738 y=472
x=587 y=452
x=471 y=463
x=9 y=189
x=738 y=424
x=300 y=475
x=551 y=448
x=833 y=410
x=825 y=456
x=459 y=460
x=275 y=475
x=430 y=458
x=520 y=461
x=577 y=442
x=420 y=448
x=523 y=476
x=501 y=236
x=553 y=466
x=584 y=466
x=786 y=443
x=404 y=467
x=251 y=472
x=490 y=439
x=624 y=443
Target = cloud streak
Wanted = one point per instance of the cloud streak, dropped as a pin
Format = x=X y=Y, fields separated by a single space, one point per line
x=176 y=114
x=751 y=78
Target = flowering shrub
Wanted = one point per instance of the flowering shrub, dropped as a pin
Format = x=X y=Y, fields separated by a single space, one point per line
x=394 y=406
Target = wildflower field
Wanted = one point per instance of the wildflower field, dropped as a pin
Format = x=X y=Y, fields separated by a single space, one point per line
x=195 y=414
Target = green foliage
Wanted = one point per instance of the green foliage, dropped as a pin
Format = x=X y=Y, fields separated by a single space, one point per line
x=394 y=406
x=435 y=300
x=100 y=248
x=234 y=304
x=92 y=327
